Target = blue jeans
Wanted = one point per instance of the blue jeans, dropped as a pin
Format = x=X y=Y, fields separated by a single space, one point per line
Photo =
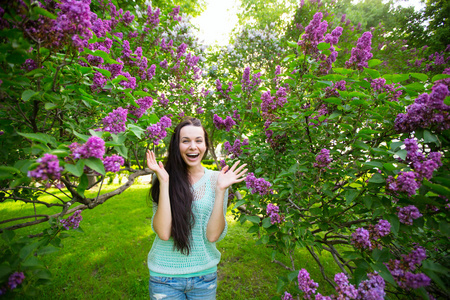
x=176 y=288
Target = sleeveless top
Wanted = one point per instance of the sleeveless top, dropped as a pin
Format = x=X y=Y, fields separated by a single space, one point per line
x=164 y=260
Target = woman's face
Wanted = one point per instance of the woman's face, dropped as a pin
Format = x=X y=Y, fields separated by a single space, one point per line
x=192 y=145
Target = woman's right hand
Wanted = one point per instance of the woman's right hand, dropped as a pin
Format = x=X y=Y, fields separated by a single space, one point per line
x=156 y=167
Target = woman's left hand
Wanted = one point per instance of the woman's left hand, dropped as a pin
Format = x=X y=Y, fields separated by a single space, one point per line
x=228 y=176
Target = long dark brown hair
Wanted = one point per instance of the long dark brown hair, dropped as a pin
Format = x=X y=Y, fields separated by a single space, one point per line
x=180 y=193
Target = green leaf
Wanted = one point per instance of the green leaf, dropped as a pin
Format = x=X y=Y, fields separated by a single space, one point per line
x=415 y=86
x=358 y=94
x=323 y=46
x=281 y=285
x=82 y=186
x=49 y=106
x=44 y=12
x=122 y=150
x=5 y=271
x=81 y=136
x=138 y=131
x=343 y=71
x=376 y=164
x=33 y=263
x=440 y=189
x=44 y=274
x=77 y=169
x=28 y=94
x=377 y=178
x=447 y=100
x=428 y=137
x=350 y=195
x=333 y=100
x=40 y=137
x=374 y=62
x=254 y=219
x=389 y=166
x=402 y=153
x=373 y=73
x=293 y=275
x=8 y=235
x=47 y=250
x=266 y=223
x=439 y=77
x=380 y=255
x=103 y=72
x=239 y=203
x=395 y=223
x=27 y=250
x=399 y=77
x=95 y=164
x=420 y=76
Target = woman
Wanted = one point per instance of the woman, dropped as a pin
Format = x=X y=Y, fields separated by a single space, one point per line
x=189 y=210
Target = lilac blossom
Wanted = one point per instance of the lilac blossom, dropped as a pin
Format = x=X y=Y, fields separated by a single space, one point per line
x=94 y=147
x=408 y=213
x=306 y=284
x=361 y=53
x=127 y=18
x=164 y=64
x=313 y=34
x=15 y=280
x=163 y=101
x=287 y=296
x=144 y=104
x=151 y=72
x=379 y=85
x=426 y=111
x=153 y=18
x=115 y=121
x=236 y=148
x=223 y=164
x=323 y=159
x=371 y=289
x=344 y=288
x=273 y=212
x=402 y=269
x=405 y=182
x=226 y=124
x=48 y=168
x=29 y=65
x=249 y=85
x=113 y=163
x=258 y=185
x=157 y=132
x=383 y=228
x=72 y=221
x=361 y=238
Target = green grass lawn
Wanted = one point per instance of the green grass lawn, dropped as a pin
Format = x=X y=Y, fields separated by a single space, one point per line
x=108 y=260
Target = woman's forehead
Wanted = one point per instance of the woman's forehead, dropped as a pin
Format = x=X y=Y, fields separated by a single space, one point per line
x=191 y=131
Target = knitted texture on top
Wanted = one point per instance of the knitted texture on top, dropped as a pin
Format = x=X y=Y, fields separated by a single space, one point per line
x=164 y=259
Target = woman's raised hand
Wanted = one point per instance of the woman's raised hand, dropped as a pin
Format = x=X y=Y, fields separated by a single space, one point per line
x=229 y=176
x=156 y=167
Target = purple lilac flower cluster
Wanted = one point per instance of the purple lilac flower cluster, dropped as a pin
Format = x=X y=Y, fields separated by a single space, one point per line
x=157 y=132
x=408 y=213
x=258 y=185
x=323 y=159
x=314 y=34
x=222 y=163
x=306 y=284
x=94 y=147
x=402 y=269
x=367 y=238
x=15 y=280
x=249 y=85
x=392 y=91
x=236 y=148
x=175 y=13
x=445 y=81
x=287 y=296
x=323 y=111
x=361 y=53
x=371 y=289
x=273 y=212
x=29 y=65
x=114 y=122
x=422 y=167
x=224 y=93
x=48 y=168
x=426 y=111
x=269 y=104
x=223 y=124
x=344 y=288
x=72 y=221
x=163 y=101
x=152 y=18
x=332 y=91
x=144 y=104
x=332 y=39
x=113 y=163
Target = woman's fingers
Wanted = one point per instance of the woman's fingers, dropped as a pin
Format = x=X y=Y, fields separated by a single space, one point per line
x=240 y=168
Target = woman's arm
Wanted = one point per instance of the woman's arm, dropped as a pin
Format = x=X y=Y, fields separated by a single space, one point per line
x=226 y=178
x=162 y=220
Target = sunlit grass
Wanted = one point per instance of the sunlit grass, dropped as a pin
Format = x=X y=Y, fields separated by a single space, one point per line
x=109 y=260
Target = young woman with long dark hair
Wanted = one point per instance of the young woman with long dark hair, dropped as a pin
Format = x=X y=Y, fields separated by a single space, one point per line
x=189 y=207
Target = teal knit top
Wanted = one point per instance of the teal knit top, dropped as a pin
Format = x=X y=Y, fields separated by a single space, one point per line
x=164 y=260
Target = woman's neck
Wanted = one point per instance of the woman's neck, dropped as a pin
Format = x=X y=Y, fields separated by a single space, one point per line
x=195 y=174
